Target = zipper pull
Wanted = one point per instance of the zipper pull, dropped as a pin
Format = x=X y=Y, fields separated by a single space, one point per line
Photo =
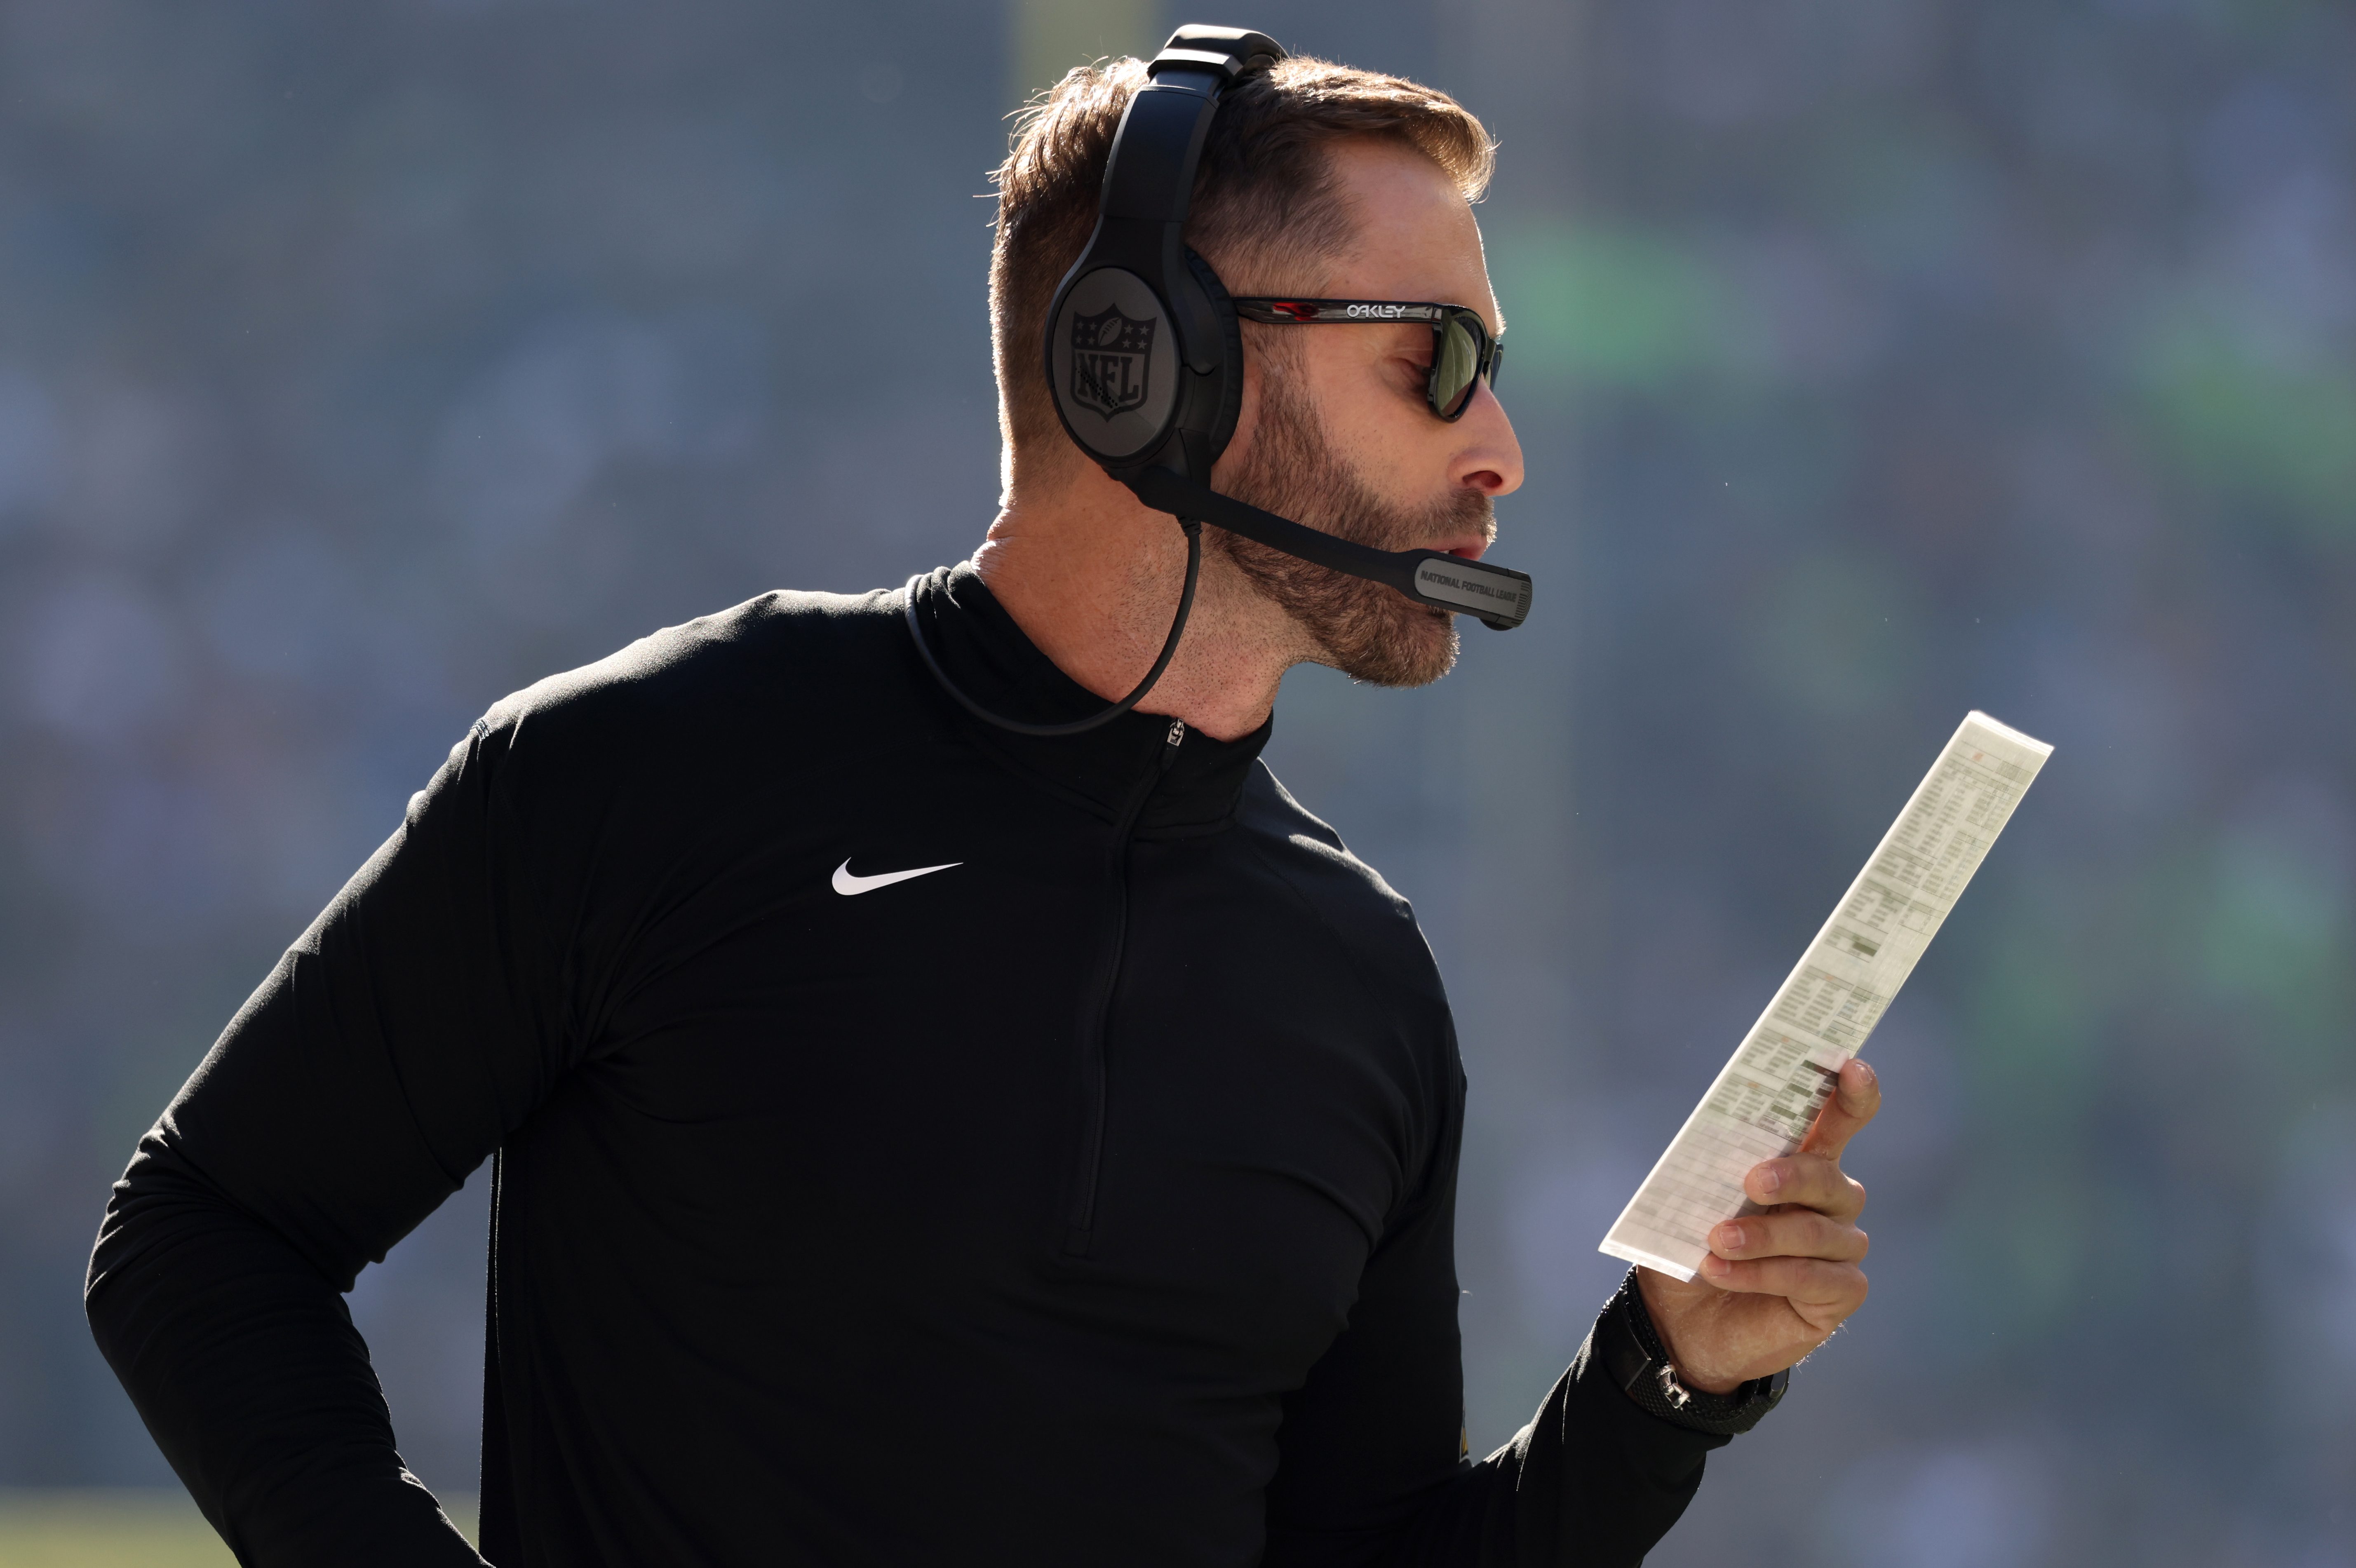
x=1171 y=742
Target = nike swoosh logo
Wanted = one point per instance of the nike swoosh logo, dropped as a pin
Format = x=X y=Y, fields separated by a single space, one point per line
x=849 y=886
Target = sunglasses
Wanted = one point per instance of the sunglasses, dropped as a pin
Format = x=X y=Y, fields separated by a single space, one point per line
x=1463 y=352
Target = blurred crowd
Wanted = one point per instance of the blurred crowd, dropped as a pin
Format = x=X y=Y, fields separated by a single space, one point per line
x=1875 y=360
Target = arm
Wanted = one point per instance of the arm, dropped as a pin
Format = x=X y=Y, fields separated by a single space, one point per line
x=1593 y=1480
x=1670 y=1372
x=388 y=1052
x=1372 y=1467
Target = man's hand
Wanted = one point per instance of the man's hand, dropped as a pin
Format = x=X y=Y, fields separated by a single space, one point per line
x=1774 y=1286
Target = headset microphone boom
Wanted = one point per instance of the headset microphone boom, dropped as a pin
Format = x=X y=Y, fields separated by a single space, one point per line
x=1144 y=358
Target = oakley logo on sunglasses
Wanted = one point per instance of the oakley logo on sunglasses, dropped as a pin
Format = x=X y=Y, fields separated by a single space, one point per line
x=1112 y=355
x=1333 y=310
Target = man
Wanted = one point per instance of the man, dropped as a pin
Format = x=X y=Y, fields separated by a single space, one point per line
x=922 y=1143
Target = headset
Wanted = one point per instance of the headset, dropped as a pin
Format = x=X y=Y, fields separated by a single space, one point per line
x=1144 y=360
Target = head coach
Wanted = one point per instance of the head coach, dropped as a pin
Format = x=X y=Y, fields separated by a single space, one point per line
x=949 y=1102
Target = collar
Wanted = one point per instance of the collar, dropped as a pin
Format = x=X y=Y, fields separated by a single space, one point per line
x=985 y=652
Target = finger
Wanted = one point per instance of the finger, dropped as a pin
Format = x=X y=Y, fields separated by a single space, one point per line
x=1792 y=1233
x=1855 y=1099
x=1809 y=1180
x=1822 y=1291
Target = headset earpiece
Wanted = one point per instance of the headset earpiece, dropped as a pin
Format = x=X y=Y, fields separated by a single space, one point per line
x=1142 y=377
x=1116 y=365
x=1142 y=352
x=1223 y=397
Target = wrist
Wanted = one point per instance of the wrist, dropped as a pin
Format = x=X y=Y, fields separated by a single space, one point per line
x=1667 y=1308
x=1629 y=1348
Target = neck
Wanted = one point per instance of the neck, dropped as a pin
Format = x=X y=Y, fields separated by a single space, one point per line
x=1093 y=576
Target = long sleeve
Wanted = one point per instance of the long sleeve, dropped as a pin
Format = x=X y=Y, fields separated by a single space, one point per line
x=776 y=1154
x=386 y=1053
x=1593 y=1481
x=1372 y=1468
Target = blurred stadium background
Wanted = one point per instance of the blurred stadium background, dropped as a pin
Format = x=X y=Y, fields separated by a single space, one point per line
x=1876 y=360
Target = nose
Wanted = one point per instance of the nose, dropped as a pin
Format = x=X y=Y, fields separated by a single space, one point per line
x=1488 y=455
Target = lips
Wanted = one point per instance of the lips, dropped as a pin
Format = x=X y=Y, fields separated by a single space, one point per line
x=1472 y=529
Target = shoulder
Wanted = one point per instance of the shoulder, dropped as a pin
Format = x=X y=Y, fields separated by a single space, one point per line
x=693 y=716
x=781 y=653
x=680 y=747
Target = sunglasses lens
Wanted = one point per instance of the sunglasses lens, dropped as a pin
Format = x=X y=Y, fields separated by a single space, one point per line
x=1456 y=360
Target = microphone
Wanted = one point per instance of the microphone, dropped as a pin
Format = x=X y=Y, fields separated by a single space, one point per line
x=1498 y=595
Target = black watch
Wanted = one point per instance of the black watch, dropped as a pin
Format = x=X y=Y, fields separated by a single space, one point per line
x=1630 y=1349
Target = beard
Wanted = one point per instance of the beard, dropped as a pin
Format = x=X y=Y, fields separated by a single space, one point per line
x=1366 y=631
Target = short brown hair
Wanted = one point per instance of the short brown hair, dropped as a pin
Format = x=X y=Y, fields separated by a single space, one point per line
x=1265 y=190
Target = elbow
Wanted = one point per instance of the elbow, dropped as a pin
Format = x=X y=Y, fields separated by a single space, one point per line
x=156 y=1210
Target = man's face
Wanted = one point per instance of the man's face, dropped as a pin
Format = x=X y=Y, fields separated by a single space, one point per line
x=1337 y=430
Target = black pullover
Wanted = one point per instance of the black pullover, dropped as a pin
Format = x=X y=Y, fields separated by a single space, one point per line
x=1086 y=1200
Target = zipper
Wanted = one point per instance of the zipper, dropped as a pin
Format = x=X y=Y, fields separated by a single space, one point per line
x=1080 y=1217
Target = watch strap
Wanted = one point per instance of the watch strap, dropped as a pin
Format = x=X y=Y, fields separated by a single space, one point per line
x=1629 y=1348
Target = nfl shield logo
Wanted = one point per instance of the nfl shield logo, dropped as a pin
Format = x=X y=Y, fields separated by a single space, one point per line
x=1110 y=356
